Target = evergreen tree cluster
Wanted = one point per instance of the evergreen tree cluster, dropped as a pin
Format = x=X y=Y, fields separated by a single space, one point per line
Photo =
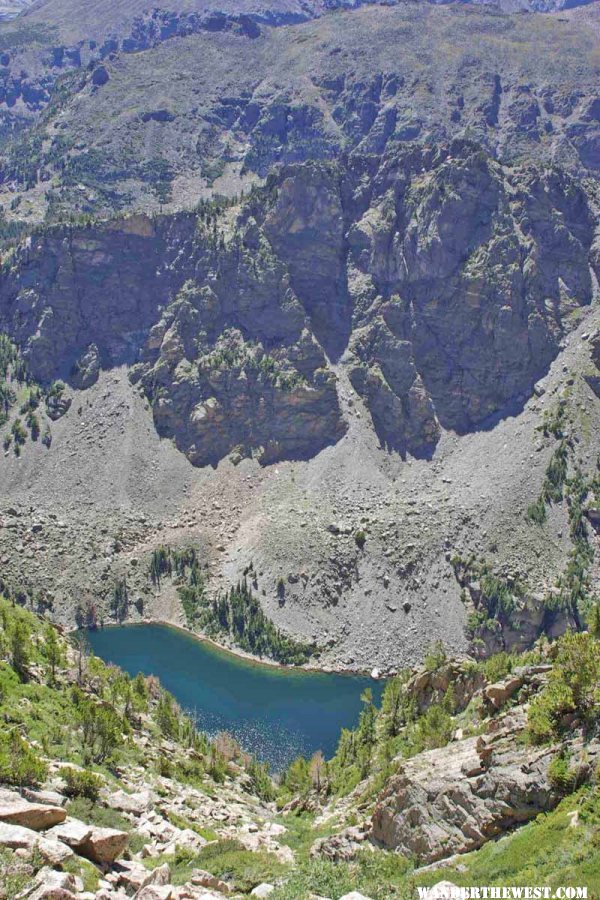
x=239 y=614
x=183 y=565
x=236 y=613
x=16 y=383
x=119 y=603
x=174 y=563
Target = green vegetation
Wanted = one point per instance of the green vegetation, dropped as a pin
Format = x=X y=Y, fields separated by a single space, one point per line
x=80 y=710
x=546 y=851
x=561 y=776
x=554 y=423
x=226 y=859
x=166 y=561
x=536 y=512
x=396 y=729
x=16 y=386
x=19 y=763
x=184 y=567
x=15 y=875
x=18 y=35
x=82 y=783
x=88 y=715
x=236 y=613
x=239 y=356
x=361 y=539
x=495 y=597
x=119 y=603
x=573 y=688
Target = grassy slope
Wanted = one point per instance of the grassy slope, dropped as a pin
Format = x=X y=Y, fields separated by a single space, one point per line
x=547 y=851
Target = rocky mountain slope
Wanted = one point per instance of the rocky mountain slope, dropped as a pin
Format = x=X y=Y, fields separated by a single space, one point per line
x=170 y=108
x=337 y=384
x=347 y=358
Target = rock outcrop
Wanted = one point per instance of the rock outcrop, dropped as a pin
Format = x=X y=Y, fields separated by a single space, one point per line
x=348 y=90
x=454 y=799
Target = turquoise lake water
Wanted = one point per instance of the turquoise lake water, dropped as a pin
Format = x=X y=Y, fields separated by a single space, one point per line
x=276 y=714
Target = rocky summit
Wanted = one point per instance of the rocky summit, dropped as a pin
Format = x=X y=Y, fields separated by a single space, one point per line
x=300 y=354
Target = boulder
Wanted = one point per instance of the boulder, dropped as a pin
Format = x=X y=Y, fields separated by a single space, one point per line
x=137 y=804
x=51 y=893
x=155 y=892
x=455 y=798
x=54 y=852
x=52 y=885
x=342 y=846
x=134 y=876
x=501 y=691
x=71 y=832
x=104 y=845
x=15 y=837
x=262 y=890
x=36 y=816
x=205 y=879
x=50 y=798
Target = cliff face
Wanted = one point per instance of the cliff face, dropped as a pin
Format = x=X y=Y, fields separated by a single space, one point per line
x=442 y=280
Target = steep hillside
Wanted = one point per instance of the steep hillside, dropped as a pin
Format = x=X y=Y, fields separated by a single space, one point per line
x=140 y=122
x=364 y=380
x=347 y=358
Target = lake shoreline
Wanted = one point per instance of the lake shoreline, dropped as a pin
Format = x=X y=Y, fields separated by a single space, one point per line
x=237 y=652
x=276 y=713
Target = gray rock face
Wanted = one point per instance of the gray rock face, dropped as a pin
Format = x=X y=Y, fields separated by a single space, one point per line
x=442 y=278
x=454 y=799
x=87 y=367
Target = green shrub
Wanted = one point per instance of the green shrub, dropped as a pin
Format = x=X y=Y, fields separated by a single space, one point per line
x=227 y=858
x=435 y=657
x=360 y=538
x=561 y=776
x=536 y=512
x=497 y=667
x=433 y=729
x=82 y=783
x=546 y=710
x=95 y=814
x=574 y=686
x=20 y=648
x=19 y=763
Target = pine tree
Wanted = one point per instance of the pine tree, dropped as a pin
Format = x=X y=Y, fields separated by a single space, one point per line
x=19 y=648
x=52 y=651
x=594 y=621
